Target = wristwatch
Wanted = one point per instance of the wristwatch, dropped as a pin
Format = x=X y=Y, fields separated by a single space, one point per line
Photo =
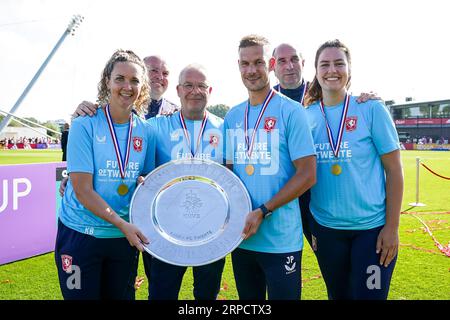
x=266 y=212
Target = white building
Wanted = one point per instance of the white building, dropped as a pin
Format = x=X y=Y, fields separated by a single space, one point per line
x=17 y=132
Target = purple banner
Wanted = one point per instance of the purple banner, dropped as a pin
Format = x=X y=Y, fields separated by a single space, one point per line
x=41 y=146
x=28 y=205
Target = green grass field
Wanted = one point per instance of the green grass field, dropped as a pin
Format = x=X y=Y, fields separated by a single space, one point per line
x=29 y=156
x=422 y=271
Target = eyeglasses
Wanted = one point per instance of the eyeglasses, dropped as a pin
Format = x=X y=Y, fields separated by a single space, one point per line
x=190 y=86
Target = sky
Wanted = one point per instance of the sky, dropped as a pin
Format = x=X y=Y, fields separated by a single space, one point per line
x=399 y=48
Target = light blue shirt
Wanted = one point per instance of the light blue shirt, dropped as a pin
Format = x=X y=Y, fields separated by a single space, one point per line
x=91 y=150
x=171 y=143
x=283 y=136
x=356 y=198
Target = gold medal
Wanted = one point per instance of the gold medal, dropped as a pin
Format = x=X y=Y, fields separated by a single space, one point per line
x=122 y=161
x=336 y=169
x=122 y=189
x=249 y=169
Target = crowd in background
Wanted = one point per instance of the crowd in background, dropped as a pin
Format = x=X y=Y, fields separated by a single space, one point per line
x=425 y=140
x=26 y=142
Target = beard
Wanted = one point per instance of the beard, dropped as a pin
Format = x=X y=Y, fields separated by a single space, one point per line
x=256 y=86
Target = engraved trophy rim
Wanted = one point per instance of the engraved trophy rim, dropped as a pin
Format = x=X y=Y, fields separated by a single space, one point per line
x=190 y=236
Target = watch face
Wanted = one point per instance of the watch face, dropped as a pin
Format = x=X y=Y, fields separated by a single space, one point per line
x=268 y=214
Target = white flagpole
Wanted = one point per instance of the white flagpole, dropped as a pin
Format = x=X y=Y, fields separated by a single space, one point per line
x=75 y=22
x=417 y=203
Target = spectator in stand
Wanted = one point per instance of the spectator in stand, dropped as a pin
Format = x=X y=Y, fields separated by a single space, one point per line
x=26 y=144
x=64 y=136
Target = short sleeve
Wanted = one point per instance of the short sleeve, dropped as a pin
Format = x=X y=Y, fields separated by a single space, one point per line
x=149 y=162
x=228 y=143
x=79 y=147
x=299 y=136
x=383 y=130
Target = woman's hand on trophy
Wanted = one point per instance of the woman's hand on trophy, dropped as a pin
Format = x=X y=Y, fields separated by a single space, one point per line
x=140 y=180
x=134 y=236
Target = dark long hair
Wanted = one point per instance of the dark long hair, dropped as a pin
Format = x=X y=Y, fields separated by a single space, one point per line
x=315 y=90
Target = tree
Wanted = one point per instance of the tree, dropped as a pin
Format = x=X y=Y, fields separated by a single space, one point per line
x=52 y=126
x=446 y=111
x=13 y=123
x=424 y=111
x=219 y=110
x=33 y=120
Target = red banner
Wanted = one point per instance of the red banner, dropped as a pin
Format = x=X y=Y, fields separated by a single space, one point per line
x=428 y=146
x=35 y=146
x=428 y=121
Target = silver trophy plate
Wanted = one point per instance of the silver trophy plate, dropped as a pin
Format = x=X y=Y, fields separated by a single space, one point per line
x=192 y=211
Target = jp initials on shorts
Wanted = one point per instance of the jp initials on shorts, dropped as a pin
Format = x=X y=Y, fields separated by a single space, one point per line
x=258 y=273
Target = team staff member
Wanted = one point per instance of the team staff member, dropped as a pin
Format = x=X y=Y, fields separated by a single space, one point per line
x=356 y=217
x=269 y=146
x=158 y=75
x=190 y=133
x=288 y=69
x=177 y=137
x=64 y=138
x=106 y=154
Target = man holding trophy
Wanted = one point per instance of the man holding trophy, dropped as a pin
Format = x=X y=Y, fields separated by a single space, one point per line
x=192 y=133
x=269 y=147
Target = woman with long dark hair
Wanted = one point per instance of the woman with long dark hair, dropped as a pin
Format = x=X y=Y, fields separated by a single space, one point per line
x=356 y=201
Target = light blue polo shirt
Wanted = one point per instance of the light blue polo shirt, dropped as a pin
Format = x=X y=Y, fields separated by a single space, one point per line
x=283 y=136
x=171 y=143
x=356 y=198
x=91 y=150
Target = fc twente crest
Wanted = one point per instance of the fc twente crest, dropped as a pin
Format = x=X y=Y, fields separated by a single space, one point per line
x=214 y=140
x=350 y=123
x=66 y=261
x=137 y=144
x=269 y=124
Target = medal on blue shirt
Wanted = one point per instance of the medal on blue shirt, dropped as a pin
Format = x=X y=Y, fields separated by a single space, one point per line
x=336 y=169
x=249 y=168
x=122 y=161
x=200 y=135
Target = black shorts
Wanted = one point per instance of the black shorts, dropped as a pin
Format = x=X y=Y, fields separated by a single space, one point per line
x=258 y=273
x=95 y=268
x=350 y=265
